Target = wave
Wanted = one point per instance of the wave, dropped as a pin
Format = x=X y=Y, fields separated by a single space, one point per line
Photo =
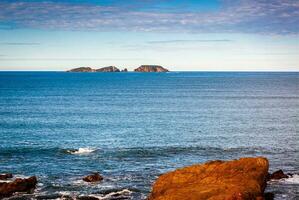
x=85 y=150
x=294 y=179
x=38 y=151
x=122 y=194
x=142 y=152
x=108 y=195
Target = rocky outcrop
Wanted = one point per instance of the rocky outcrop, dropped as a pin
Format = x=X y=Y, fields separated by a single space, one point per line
x=108 y=69
x=18 y=185
x=243 y=179
x=5 y=176
x=96 y=177
x=151 y=68
x=82 y=69
x=278 y=175
x=124 y=70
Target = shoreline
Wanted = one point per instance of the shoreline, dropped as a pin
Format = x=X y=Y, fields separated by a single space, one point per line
x=237 y=174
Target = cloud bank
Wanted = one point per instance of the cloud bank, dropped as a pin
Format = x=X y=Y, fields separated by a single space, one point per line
x=233 y=16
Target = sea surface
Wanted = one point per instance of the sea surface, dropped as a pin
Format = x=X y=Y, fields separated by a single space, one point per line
x=132 y=127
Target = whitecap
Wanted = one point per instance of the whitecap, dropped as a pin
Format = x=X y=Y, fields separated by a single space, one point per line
x=294 y=179
x=122 y=193
x=86 y=150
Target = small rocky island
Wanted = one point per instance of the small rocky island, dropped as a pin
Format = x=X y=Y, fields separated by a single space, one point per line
x=82 y=69
x=151 y=68
x=142 y=68
x=108 y=69
x=103 y=69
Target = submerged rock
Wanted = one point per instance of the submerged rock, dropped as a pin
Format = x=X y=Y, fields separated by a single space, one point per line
x=19 y=185
x=108 y=69
x=93 y=177
x=243 y=179
x=277 y=175
x=151 y=68
x=269 y=196
x=82 y=69
x=5 y=176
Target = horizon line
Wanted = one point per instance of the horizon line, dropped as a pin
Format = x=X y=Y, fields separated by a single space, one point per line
x=286 y=71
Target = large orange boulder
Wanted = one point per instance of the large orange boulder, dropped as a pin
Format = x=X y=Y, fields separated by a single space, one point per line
x=243 y=179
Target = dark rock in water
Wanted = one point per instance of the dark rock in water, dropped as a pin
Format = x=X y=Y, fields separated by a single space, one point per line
x=269 y=196
x=5 y=176
x=19 y=185
x=108 y=69
x=151 y=68
x=124 y=70
x=82 y=69
x=93 y=178
x=277 y=175
x=243 y=179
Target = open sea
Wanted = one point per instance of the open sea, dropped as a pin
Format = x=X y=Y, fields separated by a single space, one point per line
x=132 y=127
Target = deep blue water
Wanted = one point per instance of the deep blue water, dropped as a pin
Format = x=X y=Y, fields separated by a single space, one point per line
x=143 y=124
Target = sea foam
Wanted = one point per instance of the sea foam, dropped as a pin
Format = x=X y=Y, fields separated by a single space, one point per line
x=86 y=150
x=123 y=193
x=294 y=179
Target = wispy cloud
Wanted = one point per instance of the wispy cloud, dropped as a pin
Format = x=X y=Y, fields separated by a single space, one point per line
x=245 y=16
x=69 y=59
x=188 y=41
x=19 y=43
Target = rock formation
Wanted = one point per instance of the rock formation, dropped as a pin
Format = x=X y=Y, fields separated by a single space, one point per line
x=82 y=69
x=108 y=69
x=151 y=68
x=88 y=69
x=93 y=178
x=18 y=185
x=5 y=176
x=243 y=179
x=124 y=70
x=278 y=175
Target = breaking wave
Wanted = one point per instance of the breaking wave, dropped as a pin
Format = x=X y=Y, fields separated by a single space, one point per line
x=294 y=179
x=86 y=150
x=125 y=193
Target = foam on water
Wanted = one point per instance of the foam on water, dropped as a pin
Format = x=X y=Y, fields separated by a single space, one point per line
x=86 y=150
x=291 y=180
x=119 y=194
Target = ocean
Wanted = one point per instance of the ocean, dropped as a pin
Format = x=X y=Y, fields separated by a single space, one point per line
x=132 y=127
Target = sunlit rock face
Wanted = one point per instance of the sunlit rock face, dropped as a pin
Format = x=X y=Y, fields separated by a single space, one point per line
x=243 y=179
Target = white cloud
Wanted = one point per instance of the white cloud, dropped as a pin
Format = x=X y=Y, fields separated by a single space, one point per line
x=245 y=16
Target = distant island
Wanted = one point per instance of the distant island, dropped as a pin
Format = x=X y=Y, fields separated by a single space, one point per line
x=142 y=68
x=151 y=68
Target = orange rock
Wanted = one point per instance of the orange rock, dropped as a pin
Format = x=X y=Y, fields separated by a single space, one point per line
x=18 y=185
x=95 y=177
x=243 y=179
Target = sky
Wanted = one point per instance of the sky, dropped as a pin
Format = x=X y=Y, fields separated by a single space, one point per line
x=182 y=35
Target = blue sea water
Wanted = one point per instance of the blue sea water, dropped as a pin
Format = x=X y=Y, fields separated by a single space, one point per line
x=132 y=127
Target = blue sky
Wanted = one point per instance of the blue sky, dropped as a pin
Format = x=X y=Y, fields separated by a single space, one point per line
x=185 y=35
